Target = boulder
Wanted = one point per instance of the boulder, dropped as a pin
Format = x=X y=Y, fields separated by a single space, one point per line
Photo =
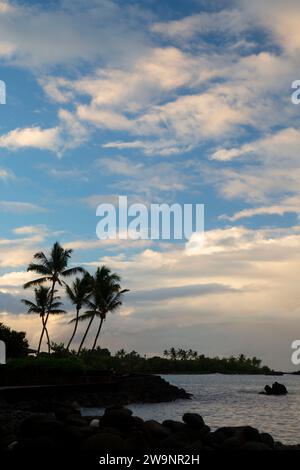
x=175 y=426
x=119 y=418
x=193 y=420
x=276 y=389
x=156 y=430
x=251 y=445
x=103 y=442
x=267 y=439
x=41 y=425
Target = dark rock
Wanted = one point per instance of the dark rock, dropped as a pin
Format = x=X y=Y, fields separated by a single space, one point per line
x=231 y=443
x=118 y=410
x=193 y=420
x=175 y=426
x=251 y=445
x=136 y=443
x=38 y=444
x=214 y=439
x=62 y=412
x=276 y=389
x=119 y=418
x=248 y=433
x=105 y=442
x=76 y=420
x=156 y=429
x=41 y=425
x=267 y=439
x=175 y=442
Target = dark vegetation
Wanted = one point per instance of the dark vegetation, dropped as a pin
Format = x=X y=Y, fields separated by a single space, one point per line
x=64 y=366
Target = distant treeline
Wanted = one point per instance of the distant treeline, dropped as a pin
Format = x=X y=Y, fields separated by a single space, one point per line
x=62 y=362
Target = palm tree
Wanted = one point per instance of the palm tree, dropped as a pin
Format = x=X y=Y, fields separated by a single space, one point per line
x=107 y=296
x=78 y=293
x=52 y=268
x=42 y=306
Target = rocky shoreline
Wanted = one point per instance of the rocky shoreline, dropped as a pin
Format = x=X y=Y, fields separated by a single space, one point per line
x=51 y=420
x=118 y=431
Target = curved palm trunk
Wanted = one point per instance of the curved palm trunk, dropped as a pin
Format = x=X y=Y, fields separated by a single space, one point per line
x=47 y=317
x=44 y=329
x=97 y=335
x=85 y=334
x=41 y=338
x=47 y=335
x=75 y=328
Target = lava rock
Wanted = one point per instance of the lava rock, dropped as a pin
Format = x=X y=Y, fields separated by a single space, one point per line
x=106 y=442
x=193 y=420
x=156 y=429
x=41 y=425
x=267 y=439
x=276 y=389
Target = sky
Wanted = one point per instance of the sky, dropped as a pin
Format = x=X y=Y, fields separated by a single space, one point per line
x=179 y=101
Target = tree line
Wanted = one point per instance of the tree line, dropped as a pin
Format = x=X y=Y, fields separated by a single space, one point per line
x=97 y=294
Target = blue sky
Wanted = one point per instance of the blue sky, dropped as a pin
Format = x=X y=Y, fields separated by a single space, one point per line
x=162 y=101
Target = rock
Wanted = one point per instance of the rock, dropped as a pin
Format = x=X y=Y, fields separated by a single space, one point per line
x=76 y=420
x=156 y=429
x=279 y=389
x=214 y=439
x=136 y=443
x=175 y=442
x=36 y=445
x=231 y=443
x=62 y=412
x=249 y=433
x=119 y=418
x=94 y=423
x=193 y=420
x=251 y=445
x=118 y=410
x=267 y=439
x=276 y=389
x=41 y=425
x=175 y=426
x=105 y=442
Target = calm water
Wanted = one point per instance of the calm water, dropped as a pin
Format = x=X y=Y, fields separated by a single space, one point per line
x=232 y=400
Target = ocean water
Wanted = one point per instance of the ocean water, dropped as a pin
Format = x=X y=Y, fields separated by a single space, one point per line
x=231 y=400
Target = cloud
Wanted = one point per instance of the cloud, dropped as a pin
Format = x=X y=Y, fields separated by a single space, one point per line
x=143 y=179
x=227 y=22
x=282 y=23
x=34 y=137
x=6 y=175
x=69 y=33
x=269 y=173
x=20 y=207
x=10 y=303
x=171 y=293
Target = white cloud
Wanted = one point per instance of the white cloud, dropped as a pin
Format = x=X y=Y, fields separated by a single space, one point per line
x=34 y=137
x=20 y=207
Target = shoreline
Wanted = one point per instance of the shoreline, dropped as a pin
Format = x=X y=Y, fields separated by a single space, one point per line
x=118 y=430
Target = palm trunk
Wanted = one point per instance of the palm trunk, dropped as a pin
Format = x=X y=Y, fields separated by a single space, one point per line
x=85 y=334
x=97 y=335
x=75 y=328
x=47 y=335
x=47 y=316
x=41 y=338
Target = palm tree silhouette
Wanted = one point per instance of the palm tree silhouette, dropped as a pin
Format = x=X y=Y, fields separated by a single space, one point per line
x=106 y=296
x=42 y=306
x=78 y=293
x=52 y=268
